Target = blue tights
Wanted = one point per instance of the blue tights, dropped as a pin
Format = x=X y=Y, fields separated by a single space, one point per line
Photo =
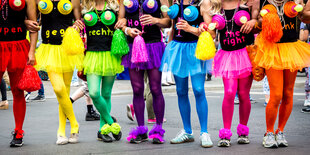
x=198 y=81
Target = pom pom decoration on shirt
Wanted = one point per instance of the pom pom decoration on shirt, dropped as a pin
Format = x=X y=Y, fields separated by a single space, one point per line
x=172 y=12
x=241 y=17
x=119 y=44
x=108 y=18
x=190 y=13
x=64 y=7
x=205 y=49
x=30 y=80
x=90 y=18
x=17 y=5
x=291 y=9
x=72 y=42
x=150 y=6
x=139 y=51
x=45 y=6
x=218 y=22
x=131 y=6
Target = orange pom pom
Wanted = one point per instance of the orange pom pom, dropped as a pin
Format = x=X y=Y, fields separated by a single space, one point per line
x=272 y=30
x=258 y=72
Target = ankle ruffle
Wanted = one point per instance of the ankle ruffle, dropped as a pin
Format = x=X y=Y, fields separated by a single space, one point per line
x=242 y=130
x=134 y=132
x=225 y=134
x=157 y=132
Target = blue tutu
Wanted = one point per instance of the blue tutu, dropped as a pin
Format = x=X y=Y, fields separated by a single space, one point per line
x=179 y=58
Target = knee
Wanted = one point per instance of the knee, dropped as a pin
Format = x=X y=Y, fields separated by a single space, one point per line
x=60 y=91
x=182 y=92
x=276 y=97
x=199 y=91
x=94 y=94
x=138 y=91
x=230 y=94
x=156 y=91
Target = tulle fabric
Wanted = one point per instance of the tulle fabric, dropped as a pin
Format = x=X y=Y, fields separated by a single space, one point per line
x=102 y=63
x=52 y=58
x=280 y=56
x=13 y=55
x=232 y=64
x=180 y=59
x=155 y=52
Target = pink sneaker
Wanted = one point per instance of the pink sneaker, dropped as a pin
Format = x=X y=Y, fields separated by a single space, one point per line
x=153 y=121
x=131 y=112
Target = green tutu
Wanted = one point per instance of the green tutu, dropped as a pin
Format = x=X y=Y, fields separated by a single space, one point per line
x=102 y=63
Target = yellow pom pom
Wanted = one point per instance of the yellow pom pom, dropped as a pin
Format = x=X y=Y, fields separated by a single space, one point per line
x=205 y=49
x=243 y=19
x=212 y=26
x=72 y=43
x=263 y=12
x=298 y=8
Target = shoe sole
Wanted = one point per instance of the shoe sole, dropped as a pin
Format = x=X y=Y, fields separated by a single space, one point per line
x=17 y=145
x=129 y=113
x=157 y=141
x=90 y=119
x=39 y=100
x=271 y=146
x=138 y=142
x=223 y=145
x=304 y=112
x=5 y=107
x=282 y=145
x=186 y=141
x=242 y=142
x=206 y=146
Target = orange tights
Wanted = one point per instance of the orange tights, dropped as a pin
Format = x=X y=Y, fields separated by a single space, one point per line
x=281 y=83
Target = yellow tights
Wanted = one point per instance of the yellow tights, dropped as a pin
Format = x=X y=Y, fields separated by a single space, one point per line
x=61 y=85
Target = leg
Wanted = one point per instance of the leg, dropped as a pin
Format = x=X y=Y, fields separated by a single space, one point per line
x=287 y=102
x=3 y=90
x=201 y=101
x=275 y=80
x=244 y=86
x=106 y=92
x=77 y=94
x=230 y=89
x=137 y=83
x=183 y=100
x=148 y=98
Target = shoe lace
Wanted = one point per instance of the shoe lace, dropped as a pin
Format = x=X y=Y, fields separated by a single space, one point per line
x=270 y=136
x=204 y=136
x=180 y=134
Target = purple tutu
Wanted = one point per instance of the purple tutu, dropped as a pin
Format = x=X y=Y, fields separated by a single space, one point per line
x=155 y=52
x=232 y=64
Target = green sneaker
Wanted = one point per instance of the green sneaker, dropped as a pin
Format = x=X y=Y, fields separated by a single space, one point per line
x=182 y=137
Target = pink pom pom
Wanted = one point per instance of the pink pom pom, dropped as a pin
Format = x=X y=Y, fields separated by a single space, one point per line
x=139 y=52
x=220 y=21
x=225 y=134
x=242 y=130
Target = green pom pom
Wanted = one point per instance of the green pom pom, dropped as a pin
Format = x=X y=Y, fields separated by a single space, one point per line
x=106 y=129
x=115 y=128
x=119 y=43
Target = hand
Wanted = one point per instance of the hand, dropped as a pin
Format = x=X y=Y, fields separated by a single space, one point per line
x=183 y=25
x=31 y=57
x=32 y=26
x=248 y=26
x=133 y=32
x=78 y=23
x=120 y=23
x=148 y=20
x=202 y=27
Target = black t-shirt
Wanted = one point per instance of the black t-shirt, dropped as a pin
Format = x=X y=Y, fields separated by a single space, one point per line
x=186 y=36
x=233 y=39
x=54 y=25
x=152 y=32
x=99 y=36
x=290 y=33
x=13 y=27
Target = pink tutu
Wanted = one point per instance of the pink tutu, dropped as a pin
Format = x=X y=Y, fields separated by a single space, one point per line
x=232 y=64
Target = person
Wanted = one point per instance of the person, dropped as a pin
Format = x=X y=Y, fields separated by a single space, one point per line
x=57 y=63
x=266 y=90
x=180 y=59
x=233 y=64
x=100 y=65
x=4 y=104
x=151 y=20
x=15 y=53
x=281 y=56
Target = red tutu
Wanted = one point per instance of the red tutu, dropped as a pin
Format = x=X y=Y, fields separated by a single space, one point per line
x=13 y=55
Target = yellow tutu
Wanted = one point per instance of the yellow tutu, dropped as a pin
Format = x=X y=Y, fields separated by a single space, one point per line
x=280 y=56
x=52 y=58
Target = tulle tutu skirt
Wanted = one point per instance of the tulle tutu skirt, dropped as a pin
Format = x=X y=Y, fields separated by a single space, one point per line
x=179 y=58
x=155 y=52
x=52 y=58
x=13 y=55
x=280 y=56
x=102 y=63
x=232 y=64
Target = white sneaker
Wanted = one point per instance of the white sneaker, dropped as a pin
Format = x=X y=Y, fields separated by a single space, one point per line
x=307 y=103
x=280 y=138
x=269 y=141
x=74 y=138
x=62 y=140
x=205 y=140
x=75 y=84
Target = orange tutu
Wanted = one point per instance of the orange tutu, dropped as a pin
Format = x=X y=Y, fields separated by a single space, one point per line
x=291 y=55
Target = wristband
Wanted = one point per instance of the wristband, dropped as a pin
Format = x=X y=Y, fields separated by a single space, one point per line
x=126 y=29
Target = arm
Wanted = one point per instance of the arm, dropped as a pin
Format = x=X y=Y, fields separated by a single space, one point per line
x=77 y=14
x=31 y=15
x=249 y=25
x=121 y=21
x=205 y=12
x=304 y=32
x=163 y=22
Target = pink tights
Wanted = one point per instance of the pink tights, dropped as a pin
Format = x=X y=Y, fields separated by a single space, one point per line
x=243 y=85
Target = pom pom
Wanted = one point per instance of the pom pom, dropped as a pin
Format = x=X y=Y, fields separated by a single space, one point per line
x=205 y=49
x=115 y=128
x=106 y=129
x=241 y=17
x=150 y=6
x=225 y=134
x=45 y=6
x=242 y=130
x=164 y=8
x=30 y=80
x=272 y=30
x=173 y=11
x=134 y=132
x=119 y=44
x=139 y=51
x=291 y=9
x=190 y=13
x=108 y=18
x=131 y=6
x=64 y=7
x=157 y=129
x=17 y=5
x=90 y=18
x=72 y=42
x=218 y=22
x=258 y=72
x=81 y=75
